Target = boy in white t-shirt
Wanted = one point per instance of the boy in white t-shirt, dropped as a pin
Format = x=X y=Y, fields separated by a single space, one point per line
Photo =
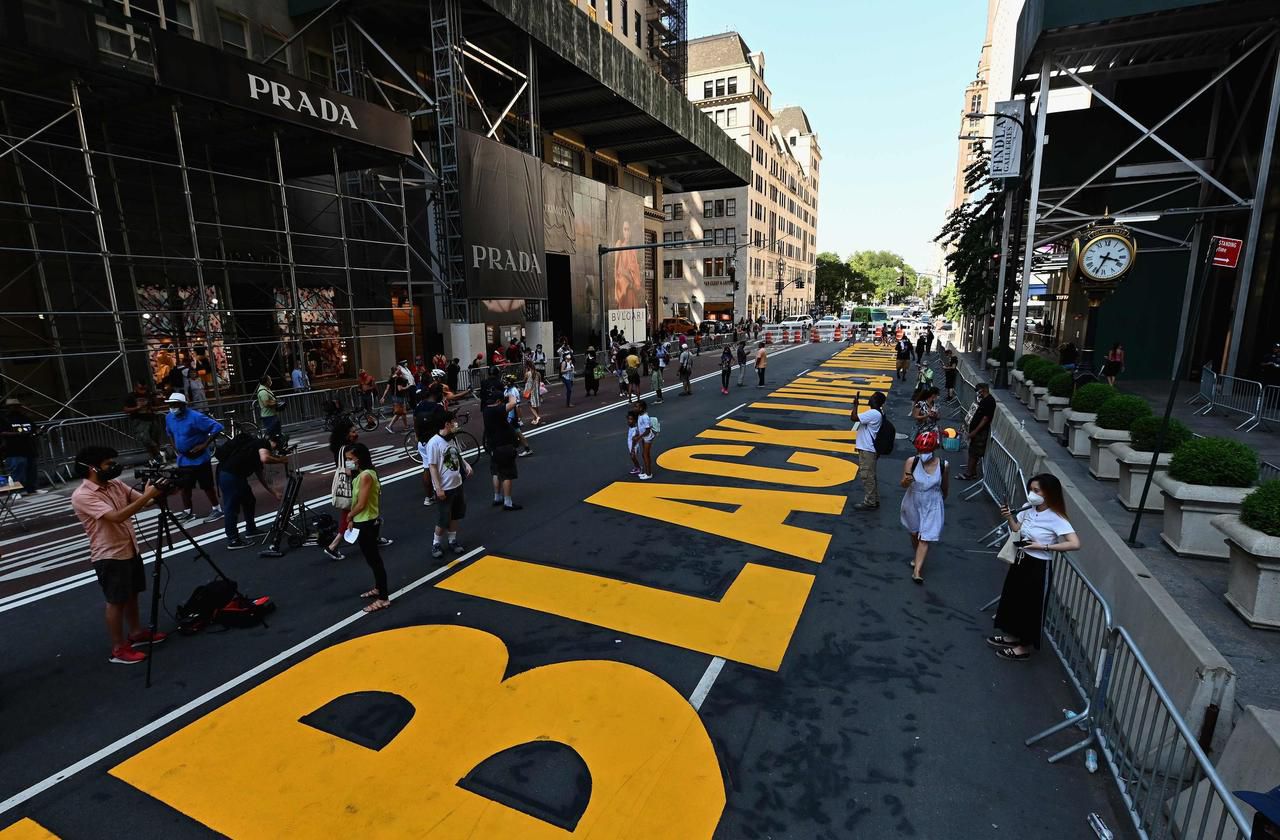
x=868 y=427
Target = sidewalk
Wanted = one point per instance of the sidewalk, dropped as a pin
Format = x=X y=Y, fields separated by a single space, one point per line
x=1219 y=424
x=1197 y=585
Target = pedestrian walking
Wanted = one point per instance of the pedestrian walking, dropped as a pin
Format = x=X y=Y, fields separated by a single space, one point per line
x=428 y=416
x=868 y=426
x=591 y=372
x=301 y=382
x=566 y=378
x=620 y=368
x=238 y=459
x=925 y=411
x=140 y=407
x=191 y=433
x=1115 y=363
x=950 y=372
x=368 y=387
x=633 y=424
x=500 y=442
x=903 y=353
x=366 y=518
x=726 y=368
x=105 y=506
x=539 y=359
x=762 y=364
x=452 y=373
x=979 y=430
x=343 y=435
x=686 y=370
x=1042 y=529
x=448 y=471
x=534 y=390
x=922 y=348
x=395 y=392
x=923 y=505
x=511 y=397
x=633 y=374
x=742 y=363
x=647 y=429
x=657 y=368
x=697 y=342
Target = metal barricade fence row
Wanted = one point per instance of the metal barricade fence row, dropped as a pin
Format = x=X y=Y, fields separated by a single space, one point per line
x=1270 y=404
x=1208 y=380
x=1231 y=393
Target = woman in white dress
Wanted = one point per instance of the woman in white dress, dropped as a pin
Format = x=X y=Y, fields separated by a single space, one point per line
x=923 y=505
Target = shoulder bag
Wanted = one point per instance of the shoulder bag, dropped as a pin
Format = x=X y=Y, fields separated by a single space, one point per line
x=340 y=490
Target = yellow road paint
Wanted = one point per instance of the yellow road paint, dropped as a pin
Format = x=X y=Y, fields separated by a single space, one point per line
x=825 y=391
x=654 y=772
x=816 y=397
x=759 y=516
x=825 y=471
x=27 y=829
x=752 y=623
x=811 y=409
x=820 y=440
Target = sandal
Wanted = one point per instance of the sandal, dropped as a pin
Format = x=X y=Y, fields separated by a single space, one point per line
x=918 y=579
x=372 y=593
x=1012 y=654
x=380 y=604
x=1000 y=640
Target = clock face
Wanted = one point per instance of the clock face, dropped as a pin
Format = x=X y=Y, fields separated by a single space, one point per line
x=1106 y=258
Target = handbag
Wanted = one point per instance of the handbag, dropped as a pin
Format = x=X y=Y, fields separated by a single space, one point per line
x=542 y=389
x=340 y=489
x=1009 y=552
x=600 y=373
x=525 y=393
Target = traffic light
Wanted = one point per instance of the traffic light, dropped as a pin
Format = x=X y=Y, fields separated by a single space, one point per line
x=780 y=285
x=799 y=284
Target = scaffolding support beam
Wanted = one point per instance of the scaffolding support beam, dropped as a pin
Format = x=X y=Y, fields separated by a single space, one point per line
x=1033 y=205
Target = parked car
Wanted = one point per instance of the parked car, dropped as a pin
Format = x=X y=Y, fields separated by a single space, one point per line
x=678 y=326
x=798 y=322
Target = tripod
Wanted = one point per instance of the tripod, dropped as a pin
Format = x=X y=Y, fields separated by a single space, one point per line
x=164 y=536
x=286 y=525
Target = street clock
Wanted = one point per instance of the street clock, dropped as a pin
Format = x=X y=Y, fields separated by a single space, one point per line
x=1103 y=254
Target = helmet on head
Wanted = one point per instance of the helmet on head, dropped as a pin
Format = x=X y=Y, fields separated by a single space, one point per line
x=437 y=373
x=926 y=441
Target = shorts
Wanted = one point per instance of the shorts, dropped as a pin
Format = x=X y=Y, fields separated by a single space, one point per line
x=502 y=463
x=951 y=379
x=453 y=507
x=200 y=475
x=120 y=580
x=978 y=444
x=633 y=376
x=422 y=453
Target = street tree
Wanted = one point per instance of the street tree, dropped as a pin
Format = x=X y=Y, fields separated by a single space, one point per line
x=970 y=236
x=886 y=274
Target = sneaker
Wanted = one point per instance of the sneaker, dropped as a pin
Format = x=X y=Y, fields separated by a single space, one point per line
x=125 y=655
x=635 y=470
x=235 y=543
x=497 y=502
x=437 y=550
x=385 y=541
x=388 y=427
x=183 y=515
x=865 y=506
x=214 y=516
x=428 y=502
x=334 y=555
x=513 y=506
x=525 y=452
x=457 y=547
x=644 y=476
x=141 y=638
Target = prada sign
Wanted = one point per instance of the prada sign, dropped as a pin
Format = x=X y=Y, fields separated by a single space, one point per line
x=191 y=67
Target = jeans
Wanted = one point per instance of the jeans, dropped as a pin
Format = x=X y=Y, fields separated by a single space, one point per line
x=724 y=378
x=236 y=497
x=655 y=380
x=366 y=400
x=742 y=372
x=760 y=374
x=568 y=390
x=271 y=425
x=23 y=469
x=867 y=471
x=368 y=542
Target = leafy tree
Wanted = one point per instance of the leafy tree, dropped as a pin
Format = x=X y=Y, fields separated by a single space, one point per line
x=948 y=302
x=887 y=274
x=971 y=235
x=833 y=278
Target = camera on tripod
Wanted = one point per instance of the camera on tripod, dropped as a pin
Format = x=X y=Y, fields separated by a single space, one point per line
x=165 y=478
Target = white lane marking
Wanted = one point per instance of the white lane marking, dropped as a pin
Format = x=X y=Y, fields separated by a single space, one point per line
x=143 y=731
x=730 y=411
x=57 y=587
x=703 y=688
x=803 y=372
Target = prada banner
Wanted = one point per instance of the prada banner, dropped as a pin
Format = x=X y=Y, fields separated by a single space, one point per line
x=502 y=219
x=198 y=69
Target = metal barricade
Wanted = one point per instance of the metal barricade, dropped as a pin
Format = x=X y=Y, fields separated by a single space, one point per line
x=1208 y=381
x=1270 y=404
x=1169 y=786
x=1002 y=477
x=1078 y=625
x=1242 y=396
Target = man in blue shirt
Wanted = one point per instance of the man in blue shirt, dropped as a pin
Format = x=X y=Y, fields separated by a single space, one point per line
x=191 y=433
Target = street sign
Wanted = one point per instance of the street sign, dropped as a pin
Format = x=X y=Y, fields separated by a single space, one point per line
x=1051 y=297
x=1006 y=140
x=1226 y=252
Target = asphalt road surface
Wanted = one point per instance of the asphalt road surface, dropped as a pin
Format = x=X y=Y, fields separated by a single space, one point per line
x=727 y=651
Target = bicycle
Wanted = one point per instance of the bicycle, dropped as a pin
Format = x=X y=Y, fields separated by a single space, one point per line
x=467 y=443
x=232 y=426
x=365 y=420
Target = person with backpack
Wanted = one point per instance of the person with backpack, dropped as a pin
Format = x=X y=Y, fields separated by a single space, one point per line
x=239 y=458
x=343 y=435
x=726 y=368
x=647 y=429
x=872 y=428
x=924 y=504
x=902 y=350
x=742 y=363
x=686 y=370
x=428 y=415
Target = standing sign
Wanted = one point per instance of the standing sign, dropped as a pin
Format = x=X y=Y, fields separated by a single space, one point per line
x=1226 y=252
x=1006 y=139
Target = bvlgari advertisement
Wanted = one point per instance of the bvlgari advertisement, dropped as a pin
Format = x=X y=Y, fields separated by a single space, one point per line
x=623 y=278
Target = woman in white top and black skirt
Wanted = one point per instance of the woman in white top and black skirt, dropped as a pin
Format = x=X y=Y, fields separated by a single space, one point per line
x=1043 y=529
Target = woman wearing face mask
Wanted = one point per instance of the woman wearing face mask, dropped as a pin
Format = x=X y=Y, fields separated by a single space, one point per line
x=344 y=434
x=366 y=498
x=925 y=411
x=923 y=505
x=1044 y=528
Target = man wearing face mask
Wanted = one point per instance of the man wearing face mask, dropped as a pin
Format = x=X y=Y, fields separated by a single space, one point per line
x=448 y=469
x=191 y=433
x=105 y=507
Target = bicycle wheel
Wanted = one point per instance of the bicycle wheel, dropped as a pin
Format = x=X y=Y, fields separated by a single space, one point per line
x=468 y=446
x=367 y=420
x=411 y=448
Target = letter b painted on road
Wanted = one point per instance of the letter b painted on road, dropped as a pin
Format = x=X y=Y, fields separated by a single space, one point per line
x=251 y=768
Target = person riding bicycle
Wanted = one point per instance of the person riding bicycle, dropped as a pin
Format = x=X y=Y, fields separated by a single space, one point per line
x=451 y=397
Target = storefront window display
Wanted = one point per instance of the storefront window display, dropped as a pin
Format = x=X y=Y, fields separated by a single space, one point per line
x=319 y=335
x=178 y=334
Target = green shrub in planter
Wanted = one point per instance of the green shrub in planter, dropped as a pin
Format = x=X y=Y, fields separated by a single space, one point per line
x=1001 y=354
x=1213 y=461
x=1145 y=430
x=1120 y=411
x=1026 y=359
x=1061 y=385
x=1261 y=509
x=1089 y=398
x=1033 y=367
x=1046 y=373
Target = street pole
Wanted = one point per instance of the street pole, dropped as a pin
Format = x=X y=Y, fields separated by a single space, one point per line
x=1004 y=261
x=1174 y=381
x=1042 y=111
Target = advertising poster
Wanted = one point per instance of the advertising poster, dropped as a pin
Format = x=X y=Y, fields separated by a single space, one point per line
x=502 y=219
x=624 y=279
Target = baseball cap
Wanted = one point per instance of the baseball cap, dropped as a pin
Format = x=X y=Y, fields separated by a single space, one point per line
x=177 y=397
x=1268 y=804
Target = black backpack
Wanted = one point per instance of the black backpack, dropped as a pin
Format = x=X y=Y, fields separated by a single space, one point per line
x=220 y=601
x=885 y=436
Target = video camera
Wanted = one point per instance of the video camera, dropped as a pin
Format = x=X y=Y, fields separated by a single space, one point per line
x=165 y=478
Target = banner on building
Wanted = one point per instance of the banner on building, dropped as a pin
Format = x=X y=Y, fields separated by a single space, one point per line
x=502 y=219
x=623 y=278
x=1006 y=139
x=189 y=66
x=559 y=213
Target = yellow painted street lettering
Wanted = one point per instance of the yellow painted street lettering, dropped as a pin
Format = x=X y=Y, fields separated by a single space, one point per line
x=823 y=470
x=822 y=440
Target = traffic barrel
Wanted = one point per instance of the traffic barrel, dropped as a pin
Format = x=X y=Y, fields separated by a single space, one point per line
x=813 y=335
x=839 y=333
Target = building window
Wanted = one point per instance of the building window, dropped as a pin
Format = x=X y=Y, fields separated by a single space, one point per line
x=706 y=267
x=731 y=236
x=719 y=87
x=271 y=43
x=975 y=104
x=719 y=266
x=708 y=209
x=624 y=17
x=708 y=89
x=733 y=84
x=234 y=39
x=731 y=206
x=566 y=158
x=650 y=238
x=678 y=210
x=320 y=67
x=719 y=236
x=666 y=212
x=608 y=10
x=637 y=21
x=719 y=207
x=731 y=117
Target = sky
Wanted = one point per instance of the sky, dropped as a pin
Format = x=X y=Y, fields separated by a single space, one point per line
x=883 y=83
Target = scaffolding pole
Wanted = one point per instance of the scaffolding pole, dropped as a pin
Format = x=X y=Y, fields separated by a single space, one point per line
x=346 y=262
x=288 y=244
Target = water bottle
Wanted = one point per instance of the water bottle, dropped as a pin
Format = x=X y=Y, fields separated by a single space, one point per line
x=1091 y=760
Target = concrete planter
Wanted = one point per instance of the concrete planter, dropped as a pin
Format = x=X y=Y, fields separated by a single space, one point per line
x=1077 y=438
x=1188 y=513
x=1253 y=587
x=1038 y=397
x=1018 y=384
x=1102 y=464
x=1134 y=466
x=1057 y=408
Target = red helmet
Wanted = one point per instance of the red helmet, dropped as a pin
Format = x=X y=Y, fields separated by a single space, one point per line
x=926 y=441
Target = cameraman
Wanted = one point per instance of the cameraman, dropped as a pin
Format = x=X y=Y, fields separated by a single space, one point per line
x=237 y=460
x=191 y=432
x=105 y=506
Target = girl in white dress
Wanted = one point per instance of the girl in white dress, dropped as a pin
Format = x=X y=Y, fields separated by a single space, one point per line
x=923 y=505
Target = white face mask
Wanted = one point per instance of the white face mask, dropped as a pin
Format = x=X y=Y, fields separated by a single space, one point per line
x=351 y=466
x=1035 y=499
x=925 y=457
